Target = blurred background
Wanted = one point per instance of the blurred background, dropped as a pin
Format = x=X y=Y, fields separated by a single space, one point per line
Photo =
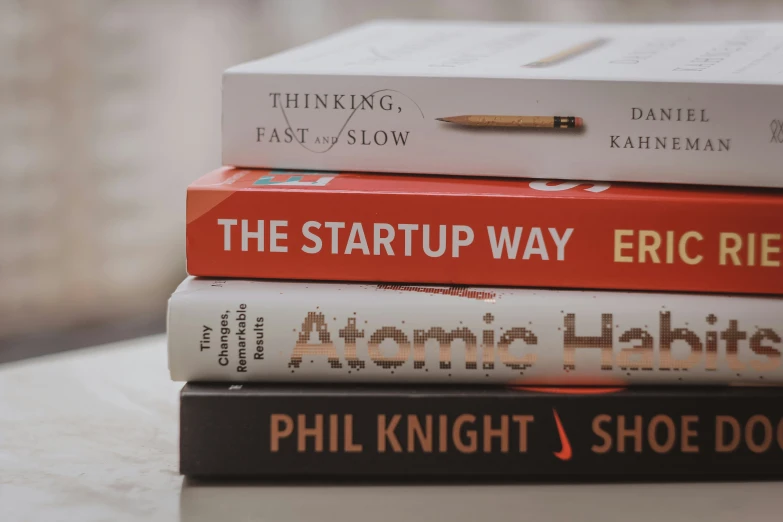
x=109 y=108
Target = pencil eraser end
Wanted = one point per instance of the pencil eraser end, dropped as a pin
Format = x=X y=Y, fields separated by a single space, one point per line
x=578 y=122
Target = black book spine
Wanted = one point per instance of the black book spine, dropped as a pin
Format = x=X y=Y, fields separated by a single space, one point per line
x=279 y=430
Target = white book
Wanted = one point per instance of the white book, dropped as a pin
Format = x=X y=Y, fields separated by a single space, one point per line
x=694 y=104
x=248 y=330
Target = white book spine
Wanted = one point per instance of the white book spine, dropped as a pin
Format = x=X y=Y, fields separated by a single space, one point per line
x=664 y=104
x=242 y=330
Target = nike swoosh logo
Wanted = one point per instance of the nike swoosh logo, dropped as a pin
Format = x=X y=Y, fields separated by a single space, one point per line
x=565 y=452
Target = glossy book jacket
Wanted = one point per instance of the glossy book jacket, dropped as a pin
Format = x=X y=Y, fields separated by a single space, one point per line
x=480 y=231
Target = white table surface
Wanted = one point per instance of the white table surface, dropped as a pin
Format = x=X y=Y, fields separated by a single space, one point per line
x=92 y=435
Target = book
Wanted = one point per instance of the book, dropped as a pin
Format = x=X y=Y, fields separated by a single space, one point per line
x=250 y=330
x=659 y=103
x=271 y=430
x=479 y=231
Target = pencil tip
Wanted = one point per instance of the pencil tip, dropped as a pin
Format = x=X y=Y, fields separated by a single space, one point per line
x=441 y=119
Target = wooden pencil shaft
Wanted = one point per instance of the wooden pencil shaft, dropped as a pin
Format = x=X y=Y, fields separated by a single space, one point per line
x=488 y=120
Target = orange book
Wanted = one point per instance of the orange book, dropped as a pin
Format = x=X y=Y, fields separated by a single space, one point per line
x=482 y=231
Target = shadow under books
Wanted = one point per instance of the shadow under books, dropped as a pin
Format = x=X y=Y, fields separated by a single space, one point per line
x=422 y=497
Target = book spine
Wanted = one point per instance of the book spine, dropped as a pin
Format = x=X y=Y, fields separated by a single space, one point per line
x=237 y=330
x=245 y=431
x=727 y=245
x=690 y=132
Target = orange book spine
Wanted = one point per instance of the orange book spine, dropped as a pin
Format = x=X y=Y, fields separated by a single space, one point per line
x=362 y=227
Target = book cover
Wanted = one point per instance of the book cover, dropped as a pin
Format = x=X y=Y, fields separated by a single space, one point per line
x=479 y=231
x=645 y=103
x=278 y=430
x=249 y=330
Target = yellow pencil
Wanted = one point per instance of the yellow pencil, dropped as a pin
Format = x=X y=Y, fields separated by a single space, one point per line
x=538 y=122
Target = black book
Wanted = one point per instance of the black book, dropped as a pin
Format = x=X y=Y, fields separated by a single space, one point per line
x=255 y=430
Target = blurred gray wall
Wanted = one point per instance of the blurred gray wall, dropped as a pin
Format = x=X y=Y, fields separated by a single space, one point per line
x=109 y=108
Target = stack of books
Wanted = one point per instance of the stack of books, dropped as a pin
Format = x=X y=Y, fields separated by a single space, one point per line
x=431 y=286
